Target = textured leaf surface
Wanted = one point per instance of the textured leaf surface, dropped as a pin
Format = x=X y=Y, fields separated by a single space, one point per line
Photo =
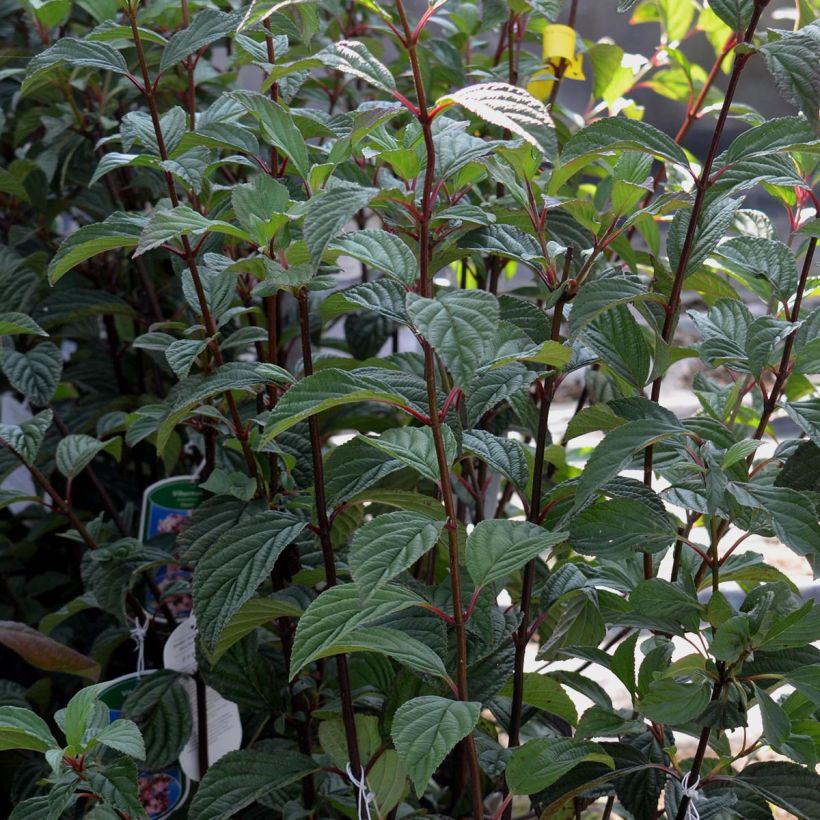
x=511 y=108
x=415 y=447
x=337 y=612
x=425 y=729
x=243 y=777
x=497 y=547
x=23 y=729
x=75 y=452
x=328 y=213
x=230 y=571
x=460 y=325
x=389 y=544
x=541 y=762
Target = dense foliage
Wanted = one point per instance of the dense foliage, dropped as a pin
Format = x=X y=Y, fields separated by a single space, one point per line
x=340 y=262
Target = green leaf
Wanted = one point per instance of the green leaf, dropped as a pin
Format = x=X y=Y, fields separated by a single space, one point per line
x=352 y=57
x=794 y=788
x=36 y=373
x=380 y=250
x=546 y=694
x=337 y=613
x=15 y=324
x=601 y=295
x=353 y=467
x=508 y=107
x=618 y=339
x=504 y=240
x=123 y=736
x=543 y=761
x=735 y=13
x=232 y=568
x=773 y=136
x=23 y=729
x=166 y=224
x=182 y=353
x=160 y=707
x=25 y=439
x=806 y=415
x=498 y=547
x=327 y=214
x=207 y=26
x=611 y=136
x=615 y=453
x=673 y=702
x=769 y=259
x=415 y=447
x=388 y=545
x=792 y=61
x=243 y=777
x=776 y=724
x=461 y=325
x=713 y=223
x=76 y=54
x=424 y=731
x=44 y=653
x=383 y=296
x=278 y=128
x=612 y=529
x=323 y=391
x=393 y=644
x=252 y=614
x=76 y=451
x=504 y=455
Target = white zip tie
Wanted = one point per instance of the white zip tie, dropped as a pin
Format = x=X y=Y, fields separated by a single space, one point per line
x=692 y=792
x=364 y=795
x=138 y=633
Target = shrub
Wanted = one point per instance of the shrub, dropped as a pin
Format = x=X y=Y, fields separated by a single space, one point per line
x=339 y=264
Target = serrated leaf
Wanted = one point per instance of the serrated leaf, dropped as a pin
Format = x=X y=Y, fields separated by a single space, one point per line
x=243 y=777
x=383 y=296
x=232 y=568
x=352 y=57
x=393 y=644
x=460 y=325
x=123 y=736
x=545 y=694
x=735 y=13
x=792 y=61
x=15 y=324
x=769 y=259
x=541 y=762
x=380 y=250
x=615 y=452
x=207 y=26
x=600 y=295
x=337 y=613
x=424 y=731
x=77 y=54
x=388 y=545
x=353 y=467
x=670 y=701
x=160 y=707
x=415 y=447
x=252 y=614
x=806 y=414
x=278 y=128
x=36 y=373
x=794 y=788
x=327 y=214
x=182 y=353
x=76 y=451
x=612 y=529
x=713 y=223
x=25 y=439
x=504 y=455
x=23 y=729
x=323 y=391
x=498 y=547
x=511 y=108
x=166 y=224
x=774 y=135
x=610 y=136
x=504 y=240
